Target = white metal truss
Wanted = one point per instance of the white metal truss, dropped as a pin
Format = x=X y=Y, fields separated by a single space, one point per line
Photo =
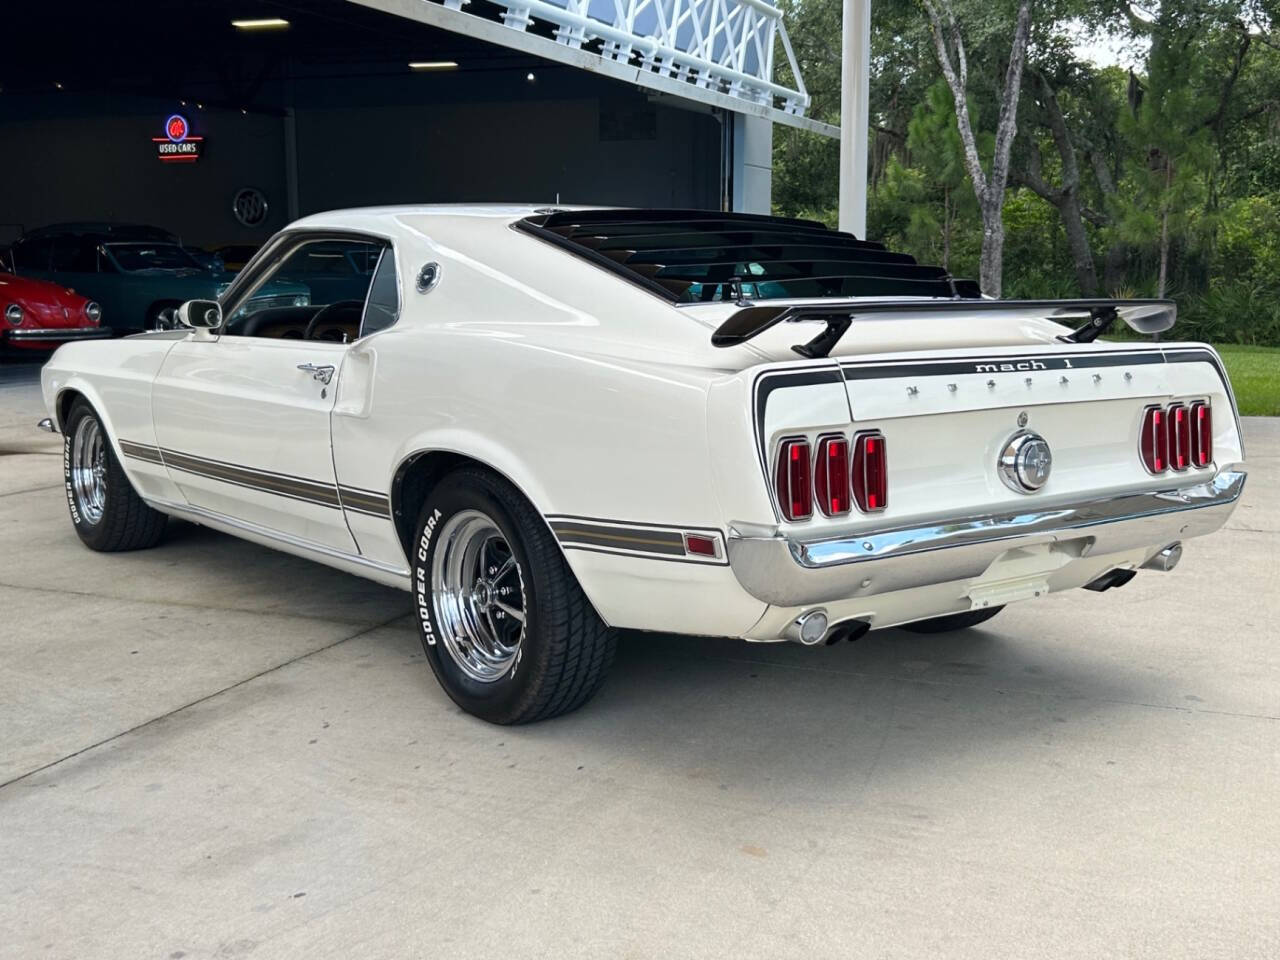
x=718 y=52
x=721 y=45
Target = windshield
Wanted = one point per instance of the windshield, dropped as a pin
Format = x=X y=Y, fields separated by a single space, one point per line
x=151 y=256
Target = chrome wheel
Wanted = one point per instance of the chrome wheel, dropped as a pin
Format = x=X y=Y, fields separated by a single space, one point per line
x=89 y=469
x=477 y=590
x=165 y=319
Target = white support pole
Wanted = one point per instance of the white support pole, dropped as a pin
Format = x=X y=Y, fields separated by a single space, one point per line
x=855 y=83
x=752 y=164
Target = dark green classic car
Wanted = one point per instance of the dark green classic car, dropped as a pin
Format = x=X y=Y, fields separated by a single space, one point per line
x=140 y=275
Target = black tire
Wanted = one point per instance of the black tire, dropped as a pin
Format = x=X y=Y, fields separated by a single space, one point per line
x=953 y=621
x=163 y=316
x=125 y=523
x=565 y=649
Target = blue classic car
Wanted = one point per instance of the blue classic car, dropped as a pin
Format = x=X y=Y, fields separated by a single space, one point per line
x=140 y=275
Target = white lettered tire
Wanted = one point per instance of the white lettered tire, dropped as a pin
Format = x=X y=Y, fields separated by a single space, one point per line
x=106 y=511
x=506 y=628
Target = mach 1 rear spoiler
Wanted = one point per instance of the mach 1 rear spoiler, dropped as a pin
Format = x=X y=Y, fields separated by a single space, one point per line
x=1142 y=316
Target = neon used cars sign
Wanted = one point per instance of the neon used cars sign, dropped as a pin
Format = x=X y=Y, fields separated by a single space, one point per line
x=178 y=145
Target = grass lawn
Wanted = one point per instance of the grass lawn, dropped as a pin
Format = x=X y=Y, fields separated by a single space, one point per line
x=1255 y=377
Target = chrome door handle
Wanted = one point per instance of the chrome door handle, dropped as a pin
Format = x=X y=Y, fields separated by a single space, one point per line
x=319 y=371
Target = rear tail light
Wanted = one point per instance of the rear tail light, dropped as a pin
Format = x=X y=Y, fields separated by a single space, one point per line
x=831 y=476
x=1176 y=437
x=1201 y=434
x=794 y=487
x=870 y=476
x=1154 y=441
x=1179 y=427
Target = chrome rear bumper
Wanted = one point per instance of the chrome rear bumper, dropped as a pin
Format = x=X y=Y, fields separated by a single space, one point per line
x=57 y=335
x=791 y=572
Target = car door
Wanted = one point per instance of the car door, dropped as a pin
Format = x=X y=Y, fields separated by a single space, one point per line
x=243 y=426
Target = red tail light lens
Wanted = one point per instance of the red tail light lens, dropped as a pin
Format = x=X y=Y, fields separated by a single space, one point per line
x=870 y=473
x=831 y=476
x=795 y=489
x=700 y=546
x=1154 y=441
x=1179 y=427
x=1201 y=434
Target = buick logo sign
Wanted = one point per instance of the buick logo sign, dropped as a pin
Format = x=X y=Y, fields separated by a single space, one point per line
x=1025 y=462
x=249 y=206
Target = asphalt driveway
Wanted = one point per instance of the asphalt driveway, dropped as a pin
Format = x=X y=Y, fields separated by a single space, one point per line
x=213 y=750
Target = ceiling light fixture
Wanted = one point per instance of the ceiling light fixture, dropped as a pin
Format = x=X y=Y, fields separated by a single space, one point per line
x=433 y=65
x=265 y=23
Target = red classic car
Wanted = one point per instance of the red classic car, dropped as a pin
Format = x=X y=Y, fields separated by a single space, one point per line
x=35 y=315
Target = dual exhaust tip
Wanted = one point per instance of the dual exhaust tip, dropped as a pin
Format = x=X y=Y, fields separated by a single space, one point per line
x=1164 y=561
x=814 y=627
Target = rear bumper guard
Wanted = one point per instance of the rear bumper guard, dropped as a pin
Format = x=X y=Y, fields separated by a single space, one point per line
x=787 y=571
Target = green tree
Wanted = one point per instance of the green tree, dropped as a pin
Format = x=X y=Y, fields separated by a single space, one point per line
x=1171 y=147
x=988 y=186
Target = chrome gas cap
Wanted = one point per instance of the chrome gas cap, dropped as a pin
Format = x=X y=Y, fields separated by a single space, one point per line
x=1025 y=462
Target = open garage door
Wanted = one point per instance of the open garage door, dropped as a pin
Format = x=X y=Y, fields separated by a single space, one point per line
x=221 y=121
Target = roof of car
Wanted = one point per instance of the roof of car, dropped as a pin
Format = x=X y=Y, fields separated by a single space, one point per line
x=353 y=216
x=693 y=256
x=106 y=230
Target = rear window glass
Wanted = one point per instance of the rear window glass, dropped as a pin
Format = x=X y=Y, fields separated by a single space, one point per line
x=701 y=256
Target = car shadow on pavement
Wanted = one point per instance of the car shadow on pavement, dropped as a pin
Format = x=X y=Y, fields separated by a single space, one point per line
x=827 y=718
x=731 y=711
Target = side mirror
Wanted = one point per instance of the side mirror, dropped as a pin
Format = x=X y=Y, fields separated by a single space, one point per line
x=200 y=315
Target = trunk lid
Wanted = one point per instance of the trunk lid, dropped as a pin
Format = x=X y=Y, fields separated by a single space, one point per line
x=947 y=415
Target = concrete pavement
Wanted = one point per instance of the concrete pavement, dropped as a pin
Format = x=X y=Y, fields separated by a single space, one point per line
x=213 y=750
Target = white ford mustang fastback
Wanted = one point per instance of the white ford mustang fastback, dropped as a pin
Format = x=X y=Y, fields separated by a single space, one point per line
x=551 y=424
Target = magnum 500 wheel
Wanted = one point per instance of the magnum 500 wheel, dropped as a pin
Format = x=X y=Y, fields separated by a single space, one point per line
x=507 y=630
x=106 y=512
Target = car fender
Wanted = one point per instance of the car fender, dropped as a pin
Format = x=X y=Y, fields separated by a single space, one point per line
x=115 y=378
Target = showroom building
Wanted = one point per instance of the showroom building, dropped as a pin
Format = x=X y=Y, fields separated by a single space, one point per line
x=223 y=120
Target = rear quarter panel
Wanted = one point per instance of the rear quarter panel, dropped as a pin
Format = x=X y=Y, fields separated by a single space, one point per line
x=588 y=419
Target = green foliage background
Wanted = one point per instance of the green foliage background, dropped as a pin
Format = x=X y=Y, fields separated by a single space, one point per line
x=1186 y=143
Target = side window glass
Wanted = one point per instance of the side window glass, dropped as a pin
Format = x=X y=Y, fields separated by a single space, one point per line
x=32 y=254
x=322 y=259
x=75 y=255
x=315 y=293
x=383 y=307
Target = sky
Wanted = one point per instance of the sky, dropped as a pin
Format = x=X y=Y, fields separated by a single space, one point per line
x=1106 y=51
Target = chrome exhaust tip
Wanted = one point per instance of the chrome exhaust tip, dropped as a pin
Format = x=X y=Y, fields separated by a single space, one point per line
x=1166 y=559
x=807 y=629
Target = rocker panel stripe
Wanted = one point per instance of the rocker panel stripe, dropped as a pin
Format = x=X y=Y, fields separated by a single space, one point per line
x=628 y=538
x=323 y=494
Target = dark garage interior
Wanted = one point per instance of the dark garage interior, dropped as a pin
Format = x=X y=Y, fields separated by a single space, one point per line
x=325 y=112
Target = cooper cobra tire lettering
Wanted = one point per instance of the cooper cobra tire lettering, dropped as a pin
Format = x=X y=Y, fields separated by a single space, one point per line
x=420 y=578
x=66 y=479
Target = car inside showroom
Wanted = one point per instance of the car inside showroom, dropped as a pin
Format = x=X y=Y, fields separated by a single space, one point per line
x=632 y=478
x=227 y=123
